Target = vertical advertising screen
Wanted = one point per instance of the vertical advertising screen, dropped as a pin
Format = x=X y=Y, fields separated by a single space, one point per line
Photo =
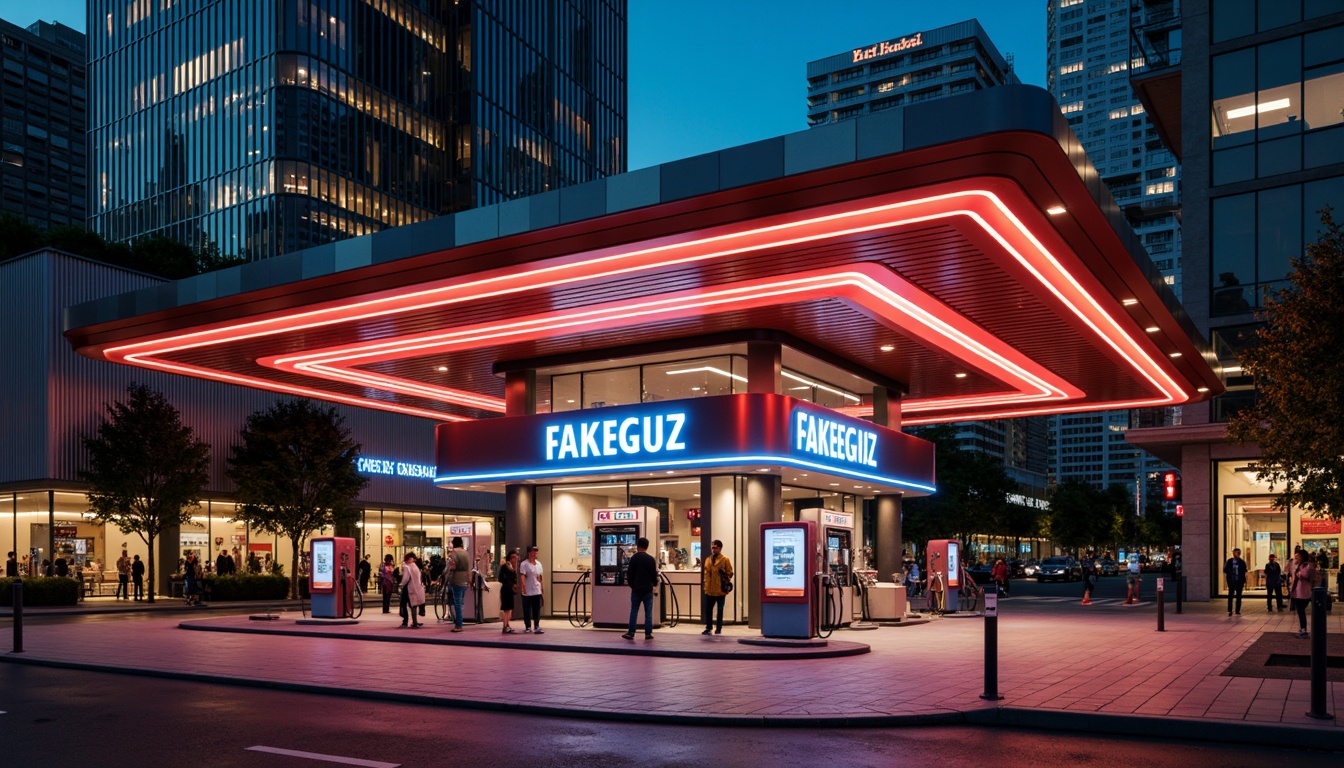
x=785 y=562
x=324 y=566
x=953 y=565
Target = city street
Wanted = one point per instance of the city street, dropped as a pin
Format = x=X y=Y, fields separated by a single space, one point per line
x=117 y=721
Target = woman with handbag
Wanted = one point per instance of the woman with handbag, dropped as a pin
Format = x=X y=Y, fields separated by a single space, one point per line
x=715 y=582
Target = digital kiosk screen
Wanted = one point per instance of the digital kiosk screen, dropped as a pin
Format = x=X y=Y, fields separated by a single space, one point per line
x=953 y=565
x=615 y=547
x=324 y=567
x=786 y=563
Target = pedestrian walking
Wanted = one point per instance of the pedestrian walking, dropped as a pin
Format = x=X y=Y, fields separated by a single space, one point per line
x=123 y=577
x=716 y=582
x=138 y=577
x=1273 y=583
x=387 y=582
x=459 y=578
x=362 y=573
x=1089 y=584
x=641 y=574
x=412 y=591
x=508 y=587
x=915 y=587
x=1134 y=579
x=1304 y=578
x=1000 y=574
x=1235 y=572
x=533 y=578
x=11 y=567
x=191 y=579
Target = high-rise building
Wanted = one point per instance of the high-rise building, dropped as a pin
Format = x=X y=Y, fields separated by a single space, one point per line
x=1247 y=93
x=915 y=67
x=1088 y=62
x=904 y=70
x=267 y=126
x=43 y=168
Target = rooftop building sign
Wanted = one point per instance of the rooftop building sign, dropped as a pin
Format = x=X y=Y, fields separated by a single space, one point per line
x=888 y=47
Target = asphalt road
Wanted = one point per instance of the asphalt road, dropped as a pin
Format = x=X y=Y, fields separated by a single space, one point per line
x=64 y=717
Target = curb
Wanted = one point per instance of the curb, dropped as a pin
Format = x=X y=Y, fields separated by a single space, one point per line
x=848 y=649
x=1175 y=729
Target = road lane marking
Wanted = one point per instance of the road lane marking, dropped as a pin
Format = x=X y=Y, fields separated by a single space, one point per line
x=328 y=758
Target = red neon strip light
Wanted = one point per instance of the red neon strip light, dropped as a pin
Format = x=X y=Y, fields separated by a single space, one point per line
x=982 y=208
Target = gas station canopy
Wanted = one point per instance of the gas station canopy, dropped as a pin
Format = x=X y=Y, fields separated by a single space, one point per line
x=962 y=252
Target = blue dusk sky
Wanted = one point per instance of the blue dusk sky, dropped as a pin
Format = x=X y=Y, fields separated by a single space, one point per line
x=710 y=74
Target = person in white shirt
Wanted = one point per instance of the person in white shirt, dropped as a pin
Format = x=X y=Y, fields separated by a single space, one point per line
x=532 y=572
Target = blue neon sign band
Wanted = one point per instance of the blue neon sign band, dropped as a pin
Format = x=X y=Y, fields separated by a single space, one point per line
x=791 y=461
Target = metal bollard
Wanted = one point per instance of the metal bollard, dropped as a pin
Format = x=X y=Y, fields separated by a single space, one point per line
x=1319 y=596
x=1161 y=605
x=991 y=647
x=18 y=616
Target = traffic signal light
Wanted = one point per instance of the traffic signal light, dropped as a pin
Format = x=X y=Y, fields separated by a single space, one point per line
x=1180 y=510
x=1171 y=486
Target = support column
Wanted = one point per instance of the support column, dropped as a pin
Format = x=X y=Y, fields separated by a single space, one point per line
x=886 y=407
x=520 y=393
x=888 y=546
x=763 y=366
x=520 y=521
x=765 y=499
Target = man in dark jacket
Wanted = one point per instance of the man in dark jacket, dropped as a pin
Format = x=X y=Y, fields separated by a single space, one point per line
x=642 y=574
x=1274 y=582
x=1235 y=571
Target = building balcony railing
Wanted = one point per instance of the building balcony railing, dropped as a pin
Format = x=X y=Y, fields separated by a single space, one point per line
x=1156 y=44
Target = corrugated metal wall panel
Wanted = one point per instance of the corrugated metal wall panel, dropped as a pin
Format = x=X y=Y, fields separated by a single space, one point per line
x=74 y=392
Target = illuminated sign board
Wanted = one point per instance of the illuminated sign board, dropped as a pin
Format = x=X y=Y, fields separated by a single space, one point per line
x=786 y=563
x=838 y=519
x=462 y=529
x=889 y=47
x=833 y=439
x=697 y=433
x=605 y=438
x=324 y=566
x=369 y=466
x=622 y=515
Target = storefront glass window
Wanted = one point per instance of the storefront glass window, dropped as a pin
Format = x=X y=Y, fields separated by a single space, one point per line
x=1250 y=522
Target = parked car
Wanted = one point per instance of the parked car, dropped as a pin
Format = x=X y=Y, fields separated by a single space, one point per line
x=1108 y=567
x=1029 y=569
x=980 y=572
x=1059 y=569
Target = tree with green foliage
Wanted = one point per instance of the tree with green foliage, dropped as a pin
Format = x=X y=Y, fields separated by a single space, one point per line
x=1298 y=417
x=972 y=494
x=1082 y=516
x=146 y=468
x=153 y=254
x=295 y=473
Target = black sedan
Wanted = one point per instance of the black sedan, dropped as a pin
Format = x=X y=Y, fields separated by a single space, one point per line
x=1059 y=569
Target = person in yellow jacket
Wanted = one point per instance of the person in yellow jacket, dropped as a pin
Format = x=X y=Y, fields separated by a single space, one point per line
x=716 y=582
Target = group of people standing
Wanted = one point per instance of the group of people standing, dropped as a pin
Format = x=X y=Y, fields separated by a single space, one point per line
x=410 y=581
x=1303 y=575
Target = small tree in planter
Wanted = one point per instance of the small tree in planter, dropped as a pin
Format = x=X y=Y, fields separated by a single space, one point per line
x=295 y=473
x=146 y=468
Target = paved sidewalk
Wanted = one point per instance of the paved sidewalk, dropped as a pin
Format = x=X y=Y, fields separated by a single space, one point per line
x=1103 y=669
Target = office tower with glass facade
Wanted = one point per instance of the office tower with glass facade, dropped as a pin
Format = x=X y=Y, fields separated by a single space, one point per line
x=921 y=66
x=916 y=67
x=268 y=126
x=43 y=159
x=1248 y=93
x=1088 y=62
